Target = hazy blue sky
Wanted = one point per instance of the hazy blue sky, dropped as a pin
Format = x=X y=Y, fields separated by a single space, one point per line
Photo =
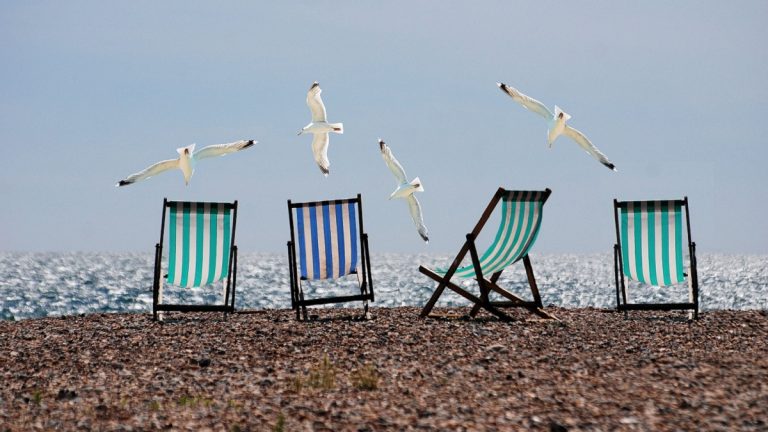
x=673 y=92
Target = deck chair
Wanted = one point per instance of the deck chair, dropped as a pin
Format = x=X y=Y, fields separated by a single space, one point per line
x=521 y=214
x=201 y=251
x=649 y=249
x=324 y=245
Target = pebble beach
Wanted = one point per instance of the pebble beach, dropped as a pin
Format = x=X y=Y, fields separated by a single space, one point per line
x=594 y=369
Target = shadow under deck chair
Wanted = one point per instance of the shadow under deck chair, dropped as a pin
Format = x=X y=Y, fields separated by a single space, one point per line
x=518 y=228
x=649 y=250
x=201 y=251
x=325 y=236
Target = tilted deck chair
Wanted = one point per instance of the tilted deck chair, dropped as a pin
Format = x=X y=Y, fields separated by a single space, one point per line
x=201 y=251
x=649 y=249
x=324 y=241
x=521 y=214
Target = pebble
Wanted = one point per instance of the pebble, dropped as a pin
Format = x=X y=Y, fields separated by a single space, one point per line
x=595 y=370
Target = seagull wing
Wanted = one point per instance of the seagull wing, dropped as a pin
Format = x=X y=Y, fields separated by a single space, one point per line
x=150 y=171
x=320 y=150
x=315 y=103
x=392 y=163
x=527 y=102
x=222 y=149
x=418 y=219
x=588 y=146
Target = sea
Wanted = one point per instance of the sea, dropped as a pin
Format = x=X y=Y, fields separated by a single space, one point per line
x=34 y=285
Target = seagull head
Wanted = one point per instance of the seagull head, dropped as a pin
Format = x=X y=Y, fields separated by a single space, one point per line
x=561 y=115
x=186 y=151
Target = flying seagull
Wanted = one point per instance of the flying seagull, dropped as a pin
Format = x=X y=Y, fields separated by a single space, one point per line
x=405 y=189
x=319 y=128
x=556 y=123
x=187 y=160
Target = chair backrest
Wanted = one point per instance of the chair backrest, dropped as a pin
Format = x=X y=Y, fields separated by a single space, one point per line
x=200 y=239
x=521 y=213
x=326 y=236
x=650 y=237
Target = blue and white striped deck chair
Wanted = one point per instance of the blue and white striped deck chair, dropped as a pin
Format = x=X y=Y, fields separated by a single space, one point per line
x=651 y=242
x=328 y=242
x=521 y=215
x=201 y=251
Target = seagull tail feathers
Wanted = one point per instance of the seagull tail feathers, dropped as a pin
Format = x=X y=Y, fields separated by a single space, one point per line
x=338 y=127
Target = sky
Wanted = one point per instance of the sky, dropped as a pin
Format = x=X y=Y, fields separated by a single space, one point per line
x=674 y=93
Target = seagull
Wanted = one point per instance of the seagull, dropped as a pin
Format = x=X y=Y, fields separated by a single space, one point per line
x=405 y=189
x=320 y=128
x=556 y=125
x=187 y=160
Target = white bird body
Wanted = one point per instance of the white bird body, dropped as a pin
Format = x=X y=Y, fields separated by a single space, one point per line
x=557 y=124
x=186 y=161
x=320 y=128
x=405 y=189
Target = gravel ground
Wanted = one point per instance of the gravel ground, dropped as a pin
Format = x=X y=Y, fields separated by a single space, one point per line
x=592 y=370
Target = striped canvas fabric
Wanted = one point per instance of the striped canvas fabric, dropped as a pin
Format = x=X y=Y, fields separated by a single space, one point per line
x=521 y=213
x=199 y=243
x=327 y=238
x=652 y=241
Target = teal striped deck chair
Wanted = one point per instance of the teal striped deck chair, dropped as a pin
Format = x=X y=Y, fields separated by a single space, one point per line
x=201 y=251
x=519 y=224
x=651 y=241
x=328 y=242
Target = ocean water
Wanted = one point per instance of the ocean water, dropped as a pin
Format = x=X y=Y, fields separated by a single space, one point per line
x=51 y=284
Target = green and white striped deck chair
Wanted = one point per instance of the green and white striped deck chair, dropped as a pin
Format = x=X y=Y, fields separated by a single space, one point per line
x=521 y=215
x=201 y=251
x=651 y=241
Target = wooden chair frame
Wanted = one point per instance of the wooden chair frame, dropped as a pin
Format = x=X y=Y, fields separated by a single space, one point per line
x=228 y=305
x=298 y=302
x=486 y=284
x=618 y=265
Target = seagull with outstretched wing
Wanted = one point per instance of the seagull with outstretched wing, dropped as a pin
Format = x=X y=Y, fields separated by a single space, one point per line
x=319 y=128
x=187 y=160
x=556 y=124
x=405 y=189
